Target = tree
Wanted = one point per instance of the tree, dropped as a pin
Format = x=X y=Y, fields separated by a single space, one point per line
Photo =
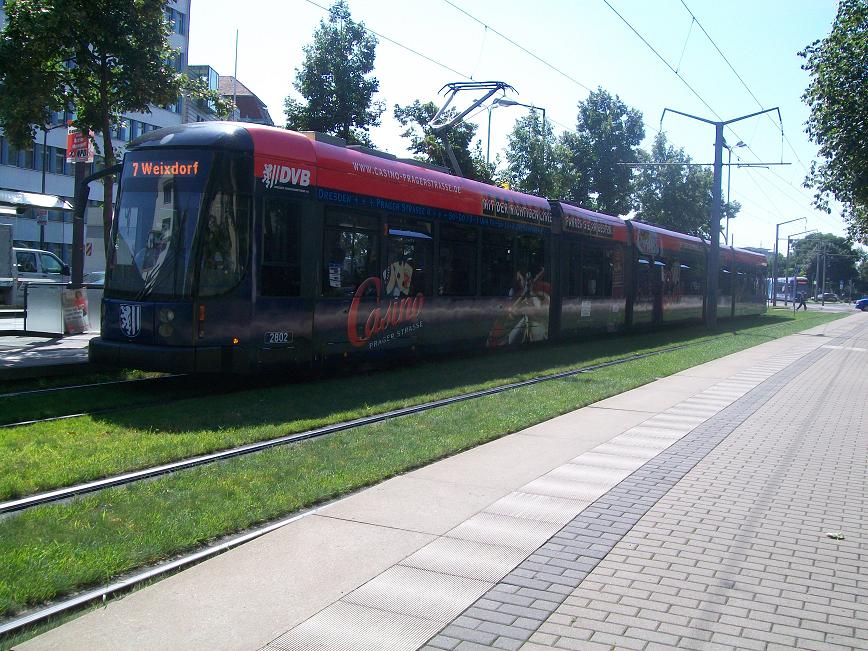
x=671 y=193
x=96 y=58
x=838 y=99
x=334 y=81
x=429 y=148
x=530 y=157
x=841 y=258
x=608 y=132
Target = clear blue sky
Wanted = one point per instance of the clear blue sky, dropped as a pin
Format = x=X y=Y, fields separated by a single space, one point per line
x=590 y=46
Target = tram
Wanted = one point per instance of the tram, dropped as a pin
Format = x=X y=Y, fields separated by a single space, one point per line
x=238 y=247
x=784 y=289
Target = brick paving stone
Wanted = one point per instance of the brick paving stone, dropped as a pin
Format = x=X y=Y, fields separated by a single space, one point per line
x=719 y=541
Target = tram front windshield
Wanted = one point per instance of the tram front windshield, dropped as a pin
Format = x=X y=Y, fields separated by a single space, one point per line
x=161 y=194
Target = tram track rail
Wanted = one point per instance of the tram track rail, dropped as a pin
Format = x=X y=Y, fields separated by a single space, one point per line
x=90 y=385
x=47 y=497
x=167 y=380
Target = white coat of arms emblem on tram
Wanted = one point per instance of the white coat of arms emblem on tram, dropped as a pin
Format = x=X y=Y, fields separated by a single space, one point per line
x=131 y=319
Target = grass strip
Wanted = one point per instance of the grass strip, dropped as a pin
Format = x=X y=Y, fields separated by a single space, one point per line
x=43 y=456
x=53 y=550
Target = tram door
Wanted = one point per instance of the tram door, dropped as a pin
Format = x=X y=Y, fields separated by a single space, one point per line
x=282 y=321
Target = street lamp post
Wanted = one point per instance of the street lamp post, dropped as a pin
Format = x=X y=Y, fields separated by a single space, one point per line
x=787 y=265
x=502 y=101
x=775 y=260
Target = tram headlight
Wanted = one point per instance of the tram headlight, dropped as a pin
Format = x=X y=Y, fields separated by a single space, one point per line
x=165 y=330
x=167 y=315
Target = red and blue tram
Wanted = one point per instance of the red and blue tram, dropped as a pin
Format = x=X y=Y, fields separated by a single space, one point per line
x=237 y=247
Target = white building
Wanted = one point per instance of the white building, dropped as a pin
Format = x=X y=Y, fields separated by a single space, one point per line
x=25 y=171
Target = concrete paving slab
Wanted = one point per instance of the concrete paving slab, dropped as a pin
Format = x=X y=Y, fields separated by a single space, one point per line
x=350 y=627
x=418 y=593
x=467 y=558
x=493 y=529
x=229 y=602
x=590 y=424
x=650 y=398
x=415 y=503
x=513 y=460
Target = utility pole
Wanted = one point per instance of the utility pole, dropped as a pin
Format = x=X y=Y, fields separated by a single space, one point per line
x=823 y=291
x=716 y=208
x=787 y=264
x=817 y=271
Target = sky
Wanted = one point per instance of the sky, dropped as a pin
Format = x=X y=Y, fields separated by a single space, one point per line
x=711 y=59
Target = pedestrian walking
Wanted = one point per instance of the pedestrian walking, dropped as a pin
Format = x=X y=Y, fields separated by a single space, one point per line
x=802 y=302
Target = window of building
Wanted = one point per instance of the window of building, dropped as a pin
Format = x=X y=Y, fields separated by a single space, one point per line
x=458 y=267
x=281 y=256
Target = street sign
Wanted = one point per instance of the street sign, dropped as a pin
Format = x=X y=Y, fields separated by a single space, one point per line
x=79 y=148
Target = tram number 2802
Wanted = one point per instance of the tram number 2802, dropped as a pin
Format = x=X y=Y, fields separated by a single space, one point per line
x=278 y=338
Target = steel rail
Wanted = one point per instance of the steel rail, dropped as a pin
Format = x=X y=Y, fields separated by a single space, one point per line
x=58 y=608
x=168 y=468
x=33 y=392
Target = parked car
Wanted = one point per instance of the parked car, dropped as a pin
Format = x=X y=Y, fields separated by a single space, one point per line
x=828 y=297
x=862 y=304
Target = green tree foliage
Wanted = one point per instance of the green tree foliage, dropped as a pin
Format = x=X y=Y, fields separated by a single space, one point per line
x=841 y=262
x=671 y=193
x=531 y=163
x=838 y=99
x=429 y=148
x=97 y=58
x=334 y=81
x=608 y=132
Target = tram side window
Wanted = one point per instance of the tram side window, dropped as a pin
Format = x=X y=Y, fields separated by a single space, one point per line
x=691 y=276
x=644 y=288
x=530 y=271
x=597 y=266
x=457 y=266
x=574 y=280
x=350 y=253
x=724 y=280
x=497 y=254
x=409 y=257
x=224 y=243
x=281 y=256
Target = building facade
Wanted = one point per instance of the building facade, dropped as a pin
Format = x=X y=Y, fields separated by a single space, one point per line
x=43 y=168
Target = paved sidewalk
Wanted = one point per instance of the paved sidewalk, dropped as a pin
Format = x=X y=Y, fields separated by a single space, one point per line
x=730 y=549
x=691 y=512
